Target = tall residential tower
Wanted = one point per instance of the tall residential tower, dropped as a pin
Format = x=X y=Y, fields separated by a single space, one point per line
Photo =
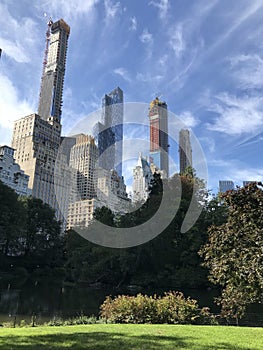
x=37 y=137
x=52 y=81
x=185 y=150
x=159 y=135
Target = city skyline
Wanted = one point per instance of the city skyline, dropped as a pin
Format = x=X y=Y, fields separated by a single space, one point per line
x=194 y=59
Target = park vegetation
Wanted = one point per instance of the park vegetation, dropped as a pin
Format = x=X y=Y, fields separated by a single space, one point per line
x=223 y=247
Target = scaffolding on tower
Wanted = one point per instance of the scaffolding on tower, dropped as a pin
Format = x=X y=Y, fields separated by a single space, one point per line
x=49 y=25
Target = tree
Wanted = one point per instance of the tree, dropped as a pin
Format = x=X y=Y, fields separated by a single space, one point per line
x=234 y=252
x=42 y=233
x=104 y=215
x=12 y=218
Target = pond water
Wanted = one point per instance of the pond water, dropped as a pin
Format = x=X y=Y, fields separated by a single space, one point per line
x=47 y=301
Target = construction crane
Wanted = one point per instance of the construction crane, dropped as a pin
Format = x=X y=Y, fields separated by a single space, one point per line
x=49 y=25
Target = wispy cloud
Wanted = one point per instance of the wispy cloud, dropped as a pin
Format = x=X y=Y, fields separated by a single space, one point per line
x=133 y=25
x=68 y=9
x=146 y=37
x=162 y=6
x=236 y=115
x=14 y=50
x=123 y=73
x=23 y=38
x=111 y=9
x=148 y=78
x=176 y=40
x=239 y=173
x=11 y=107
x=238 y=19
x=188 y=119
x=248 y=70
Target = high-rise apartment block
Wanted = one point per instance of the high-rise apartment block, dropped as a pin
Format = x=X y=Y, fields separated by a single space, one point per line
x=226 y=185
x=142 y=178
x=11 y=173
x=52 y=81
x=92 y=186
x=110 y=132
x=37 y=137
x=185 y=150
x=80 y=213
x=83 y=160
x=159 y=135
x=36 y=143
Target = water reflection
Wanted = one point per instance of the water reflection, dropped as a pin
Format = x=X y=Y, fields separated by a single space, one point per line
x=43 y=301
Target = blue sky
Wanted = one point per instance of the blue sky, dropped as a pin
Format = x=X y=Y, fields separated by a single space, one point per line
x=204 y=57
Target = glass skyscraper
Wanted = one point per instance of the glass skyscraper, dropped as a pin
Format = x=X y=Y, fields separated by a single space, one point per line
x=110 y=132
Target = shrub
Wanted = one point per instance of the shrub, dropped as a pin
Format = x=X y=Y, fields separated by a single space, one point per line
x=172 y=308
x=82 y=319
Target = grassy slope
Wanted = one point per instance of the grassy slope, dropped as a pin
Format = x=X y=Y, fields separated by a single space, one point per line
x=132 y=337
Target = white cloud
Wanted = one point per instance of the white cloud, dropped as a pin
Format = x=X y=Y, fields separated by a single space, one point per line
x=163 y=60
x=208 y=143
x=111 y=9
x=14 y=50
x=248 y=70
x=239 y=19
x=20 y=46
x=239 y=173
x=188 y=119
x=237 y=115
x=148 y=78
x=133 y=25
x=176 y=40
x=11 y=107
x=146 y=37
x=244 y=174
x=68 y=9
x=123 y=73
x=162 y=6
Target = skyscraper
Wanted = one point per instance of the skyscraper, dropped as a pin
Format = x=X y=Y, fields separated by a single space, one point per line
x=37 y=138
x=142 y=177
x=82 y=203
x=83 y=158
x=159 y=135
x=52 y=81
x=110 y=132
x=185 y=150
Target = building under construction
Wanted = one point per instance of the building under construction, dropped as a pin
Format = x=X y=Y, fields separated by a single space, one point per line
x=52 y=81
x=37 y=137
x=159 y=135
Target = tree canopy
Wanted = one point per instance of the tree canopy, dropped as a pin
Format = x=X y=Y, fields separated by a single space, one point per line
x=234 y=251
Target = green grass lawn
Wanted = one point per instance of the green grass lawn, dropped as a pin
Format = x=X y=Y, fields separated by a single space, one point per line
x=132 y=337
